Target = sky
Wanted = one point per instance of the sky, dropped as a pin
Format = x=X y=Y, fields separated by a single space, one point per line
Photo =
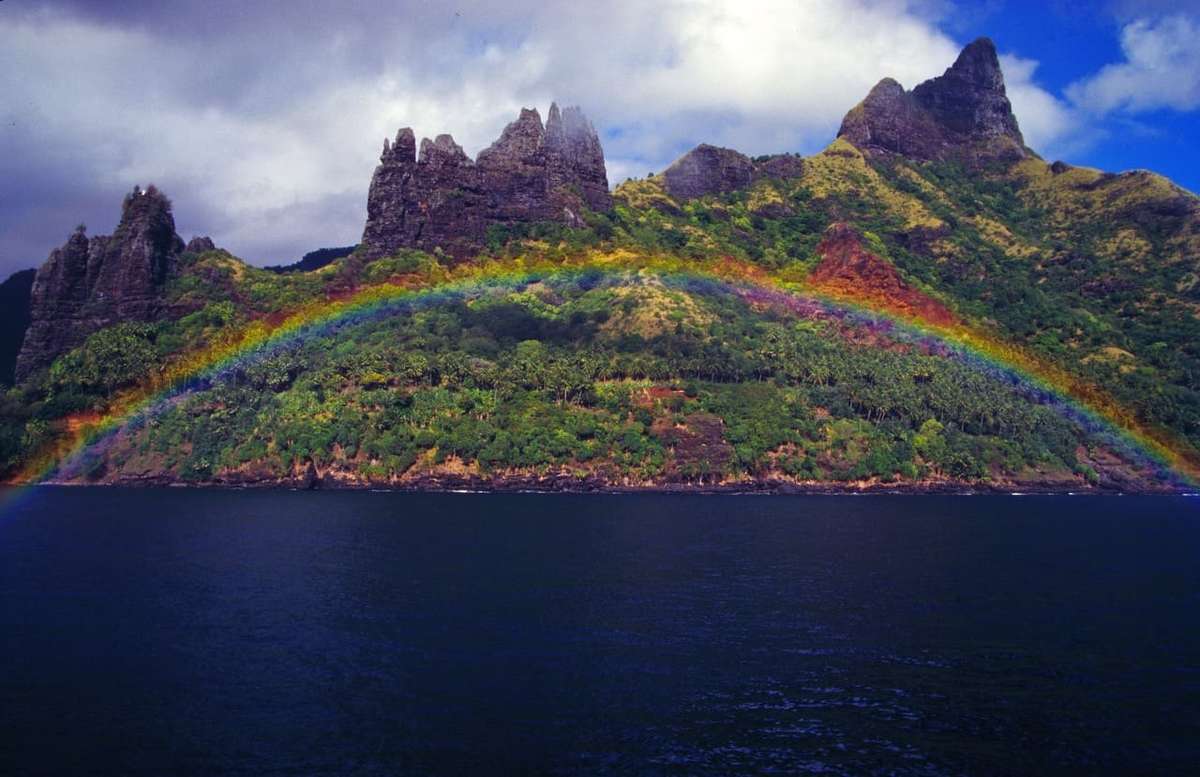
x=263 y=121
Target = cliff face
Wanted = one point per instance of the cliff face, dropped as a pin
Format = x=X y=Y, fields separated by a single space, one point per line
x=441 y=198
x=964 y=113
x=90 y=283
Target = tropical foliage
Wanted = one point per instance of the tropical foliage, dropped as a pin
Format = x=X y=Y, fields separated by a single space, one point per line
x=629 y=378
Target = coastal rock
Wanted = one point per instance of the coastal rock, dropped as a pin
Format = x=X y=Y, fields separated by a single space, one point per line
x=88 y=284
x=964 y=113
x=443 y=199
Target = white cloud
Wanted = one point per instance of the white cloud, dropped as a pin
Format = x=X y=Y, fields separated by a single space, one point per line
x=1049 y=125
x=1161 y=70
x=266 y=137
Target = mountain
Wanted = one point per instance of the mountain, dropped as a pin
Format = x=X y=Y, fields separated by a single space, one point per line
x=89 y=284
x=962 y=114
x=924 y=305
x=442 y=199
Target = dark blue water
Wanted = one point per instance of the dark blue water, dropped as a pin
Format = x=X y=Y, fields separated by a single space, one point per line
x=219 y=632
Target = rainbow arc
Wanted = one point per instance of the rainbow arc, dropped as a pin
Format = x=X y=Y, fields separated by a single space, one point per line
x=1070 y=395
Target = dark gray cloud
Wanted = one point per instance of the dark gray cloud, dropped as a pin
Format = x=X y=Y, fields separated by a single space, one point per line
x=263 y=120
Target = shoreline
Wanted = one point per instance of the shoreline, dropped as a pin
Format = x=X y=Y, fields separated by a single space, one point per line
x=553 y=485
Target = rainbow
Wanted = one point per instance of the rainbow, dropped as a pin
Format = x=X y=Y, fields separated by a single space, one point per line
x=1080 y=401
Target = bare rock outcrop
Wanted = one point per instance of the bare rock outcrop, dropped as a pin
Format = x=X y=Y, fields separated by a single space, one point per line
x=709 y=170
x=962 y=114
x=198 y=245
x=91 y=283
x=441 y=198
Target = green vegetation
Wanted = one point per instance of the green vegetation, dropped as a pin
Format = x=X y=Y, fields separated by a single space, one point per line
x=532 y=380
x=634 y=381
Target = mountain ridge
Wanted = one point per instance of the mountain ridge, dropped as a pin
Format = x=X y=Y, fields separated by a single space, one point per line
x=1059 y=306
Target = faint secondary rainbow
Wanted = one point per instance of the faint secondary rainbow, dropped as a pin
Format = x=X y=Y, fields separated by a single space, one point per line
x=1082 y=402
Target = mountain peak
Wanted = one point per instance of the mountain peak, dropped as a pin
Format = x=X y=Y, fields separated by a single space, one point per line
x=91 y=283
x=962 y=113
x=519 y=141
x=969 y=99
x=979 y=63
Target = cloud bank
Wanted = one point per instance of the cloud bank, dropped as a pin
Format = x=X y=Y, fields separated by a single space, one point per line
x=1161 y=70
x=265 y=134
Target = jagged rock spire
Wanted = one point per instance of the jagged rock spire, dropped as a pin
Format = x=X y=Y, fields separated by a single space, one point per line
x=88 y=284
x=969 y=98
x=962 y=113
x=575 y=158
x=442 y=150
x=519 y=141
x=442 y=199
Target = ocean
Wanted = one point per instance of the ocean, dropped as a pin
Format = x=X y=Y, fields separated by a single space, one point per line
x=220 y=632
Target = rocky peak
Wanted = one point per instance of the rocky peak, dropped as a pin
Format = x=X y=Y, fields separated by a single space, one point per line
x=198 y=245
x=88 y=284
x=403 y=151
x=969 y=99
x=569 y=130
x=442 y=150
x=520 y=140
x=977 y=69
x=139 y=257
x=709 y=170
x=14 y=319
x=441 y=199
x=575 y=161
x=963 y=113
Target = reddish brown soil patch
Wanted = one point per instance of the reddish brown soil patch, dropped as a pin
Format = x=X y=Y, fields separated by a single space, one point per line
x=649 y=397
x=848 y=269
x=78 y=421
